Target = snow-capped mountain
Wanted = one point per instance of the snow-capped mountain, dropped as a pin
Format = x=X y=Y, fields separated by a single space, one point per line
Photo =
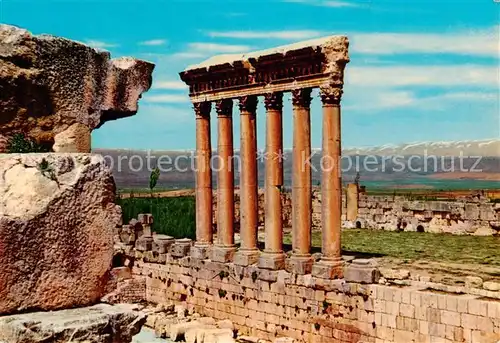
x=487 y=147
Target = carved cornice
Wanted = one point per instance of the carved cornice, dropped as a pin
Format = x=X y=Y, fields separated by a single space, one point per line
x=302 y=97
x=331 y=95
x=248 y=103
x=202 y=109
x=224 y=107
x=306 y=65
x=274 y=101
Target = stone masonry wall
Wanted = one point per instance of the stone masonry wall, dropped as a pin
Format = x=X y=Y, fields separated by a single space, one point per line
x=368 y=305
x=467 y=216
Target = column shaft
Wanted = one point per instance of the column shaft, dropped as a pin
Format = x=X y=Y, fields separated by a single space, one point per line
x=301 y=261
x=330 y=266
x=248 y=252
x=225 y=175
x=331 y=186
x=273 y=256
x=204 y=231
x=301 y=182
x=224 y=248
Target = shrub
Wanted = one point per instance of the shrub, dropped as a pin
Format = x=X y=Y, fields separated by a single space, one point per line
x=19 y=144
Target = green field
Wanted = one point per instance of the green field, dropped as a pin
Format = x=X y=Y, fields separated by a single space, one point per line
x=175 y=217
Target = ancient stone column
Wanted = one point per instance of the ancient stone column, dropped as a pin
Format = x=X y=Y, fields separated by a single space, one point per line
x=330 y=265
x=248 y=253
x=224 y=247
x=273 y=256
x=301 y=260
x=352 y=197
x=204 y=231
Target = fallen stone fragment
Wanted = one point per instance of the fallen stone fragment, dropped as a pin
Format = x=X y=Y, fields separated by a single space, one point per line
x=163 y=324
x=97 y=324
x=55 y=90
x=473 y=282
x=491 y=286
x=197 y=334
x=394 y=274
x=177 y=331
x=218 y=336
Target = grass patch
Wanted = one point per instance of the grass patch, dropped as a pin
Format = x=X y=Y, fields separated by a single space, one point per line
x=175 y=217
x=412 y=246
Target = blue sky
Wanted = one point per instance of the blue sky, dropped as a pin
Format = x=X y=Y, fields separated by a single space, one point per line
x=419 y=71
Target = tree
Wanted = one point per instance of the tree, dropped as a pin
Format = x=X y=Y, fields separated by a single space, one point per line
x=153 y=178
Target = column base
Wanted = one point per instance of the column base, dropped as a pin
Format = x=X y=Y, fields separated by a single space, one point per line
x=328 y=268
x=144 y=243
x=246 y=257
x=223 y=254
x=300 y=264
x=272 y=260
x=362 y=271
x=181 y=247
x=200 y=251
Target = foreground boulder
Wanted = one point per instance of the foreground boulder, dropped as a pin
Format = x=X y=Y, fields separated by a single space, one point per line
x=57 y=216
x=48 y=84
x=96 y=324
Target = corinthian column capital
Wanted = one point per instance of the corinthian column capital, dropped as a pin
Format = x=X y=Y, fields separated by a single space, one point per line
x=302 y=97
x=202 y=109
x=274 y=101
x=331 y=95
x=224 y=107
x=248 y=103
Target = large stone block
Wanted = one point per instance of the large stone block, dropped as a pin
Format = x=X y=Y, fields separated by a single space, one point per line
x=49 y=84
x=96 y=324
x=57 y=218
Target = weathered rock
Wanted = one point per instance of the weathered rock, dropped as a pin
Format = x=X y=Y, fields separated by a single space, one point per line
x=177 y=331
x=57 y=216
x=48 y=84
x=394 y=274
x=96 y=324
x=491 y=286
x=473 y=282
x=75 y=138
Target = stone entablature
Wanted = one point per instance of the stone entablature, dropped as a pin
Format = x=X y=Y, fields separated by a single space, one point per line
x=308 y=64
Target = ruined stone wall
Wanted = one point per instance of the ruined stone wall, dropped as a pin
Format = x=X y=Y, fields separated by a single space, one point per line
x=478 y=217
x=363 y=307
x=400 y=213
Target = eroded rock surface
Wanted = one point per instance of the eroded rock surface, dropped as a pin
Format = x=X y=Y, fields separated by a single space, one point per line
x=96 y=324
x=48 y=83
x=57 y=217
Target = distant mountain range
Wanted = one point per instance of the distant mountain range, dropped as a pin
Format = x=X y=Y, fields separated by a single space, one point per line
x=402 y=165
x=488 y=147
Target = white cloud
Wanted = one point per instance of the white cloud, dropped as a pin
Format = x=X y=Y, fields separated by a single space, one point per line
x=293 y=34
x=471 y=43
x=475 y=43
x=170 y=85
x=218 y=48
x=370 y=99
x=154 y=42
x=100 y=44
x=409 y=75
x=166 y=98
